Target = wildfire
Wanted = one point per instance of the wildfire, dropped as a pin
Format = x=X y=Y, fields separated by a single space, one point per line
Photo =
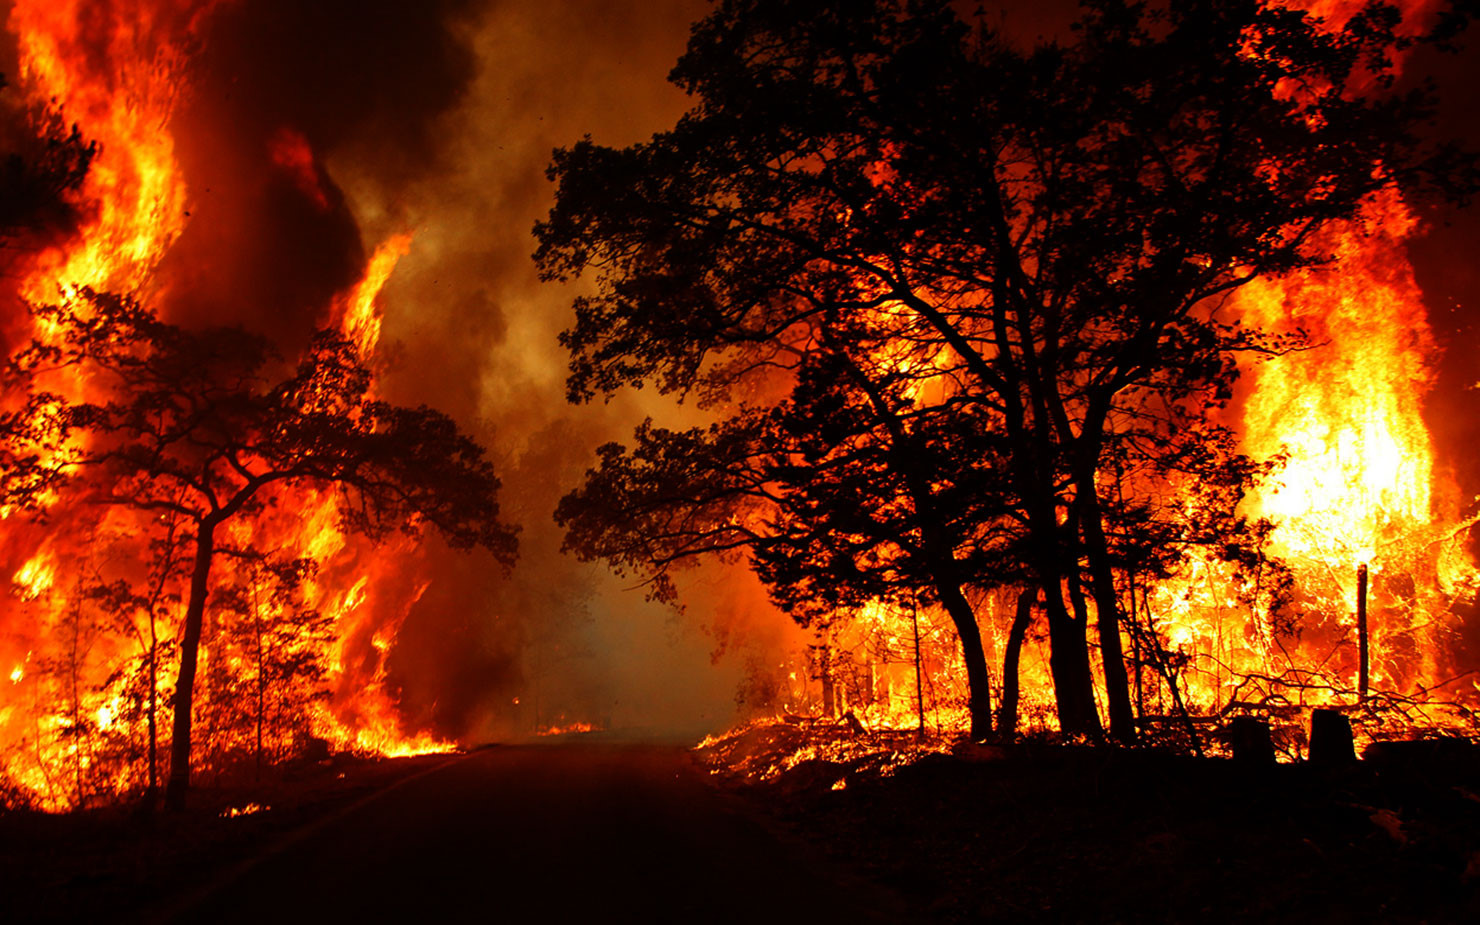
x=120 y=78
x=1356 y=490
x=358 y=318
x=36 y=577
x=135 y=188
x=561 y=729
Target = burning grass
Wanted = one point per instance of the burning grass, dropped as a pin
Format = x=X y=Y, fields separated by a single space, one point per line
x=803 y=752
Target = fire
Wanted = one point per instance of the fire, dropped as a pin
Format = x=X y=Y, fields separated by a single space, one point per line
x=1357 y=487
x=135 y=187
x=120 y=75
x=560 y=729
x=36 y=577
x=358 y=318
x=249 y=809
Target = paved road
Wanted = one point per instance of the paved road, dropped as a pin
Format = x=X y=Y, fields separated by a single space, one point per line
x=566 y=833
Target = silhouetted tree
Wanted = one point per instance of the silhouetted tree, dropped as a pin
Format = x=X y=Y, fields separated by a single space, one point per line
x=835 y=494
x=206 y=424
x=41 y=161
x=1056 y=228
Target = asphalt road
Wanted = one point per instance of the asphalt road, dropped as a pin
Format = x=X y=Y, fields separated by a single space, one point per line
x=548 y=833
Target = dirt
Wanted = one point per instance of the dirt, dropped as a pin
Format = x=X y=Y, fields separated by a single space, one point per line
x=122 y=864
x=1054 y=833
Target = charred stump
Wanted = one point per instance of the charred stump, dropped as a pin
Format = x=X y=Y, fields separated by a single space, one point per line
x=1331 y=741
x=1249 y=738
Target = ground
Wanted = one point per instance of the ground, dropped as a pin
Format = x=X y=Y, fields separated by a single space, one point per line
x=782 y=822
x=116 y=863
x=570 y=832
x=1053 y=833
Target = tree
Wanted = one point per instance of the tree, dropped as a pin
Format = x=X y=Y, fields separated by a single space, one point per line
x=41 y=162
x=1058 y=227
x=206 y=425
x=832 y=493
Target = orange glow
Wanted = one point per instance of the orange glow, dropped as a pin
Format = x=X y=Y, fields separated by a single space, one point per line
x=35 y=577
x=290 y=151
x=358 y=317
x=134 y=189
x=1359 y=486
x=121 y=77
x=561 y=729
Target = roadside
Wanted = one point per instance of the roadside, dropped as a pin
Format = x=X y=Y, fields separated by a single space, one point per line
x=113 y=864
x=1054 y=833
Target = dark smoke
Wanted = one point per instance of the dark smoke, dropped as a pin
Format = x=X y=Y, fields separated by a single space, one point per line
x=439 y=118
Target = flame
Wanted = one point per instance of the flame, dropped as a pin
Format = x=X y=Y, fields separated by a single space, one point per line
x=249 y=809
x=560 y=729
x=358 y=316
x=119 y=74
x=134 y=189
x=36 y=577
x=1358 y=486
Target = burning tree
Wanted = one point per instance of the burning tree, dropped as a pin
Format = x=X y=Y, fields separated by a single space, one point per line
x=41 y=161
x=1045 y=241
x=209 y=428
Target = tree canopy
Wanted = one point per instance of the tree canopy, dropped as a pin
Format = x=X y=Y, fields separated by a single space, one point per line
x=205 y=425
x=1012 y=260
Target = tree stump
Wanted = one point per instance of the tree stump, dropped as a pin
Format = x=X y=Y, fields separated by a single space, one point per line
x=1249 y=738
x=1331 y=738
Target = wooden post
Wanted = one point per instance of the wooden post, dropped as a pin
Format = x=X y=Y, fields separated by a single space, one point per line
x=919 y=682
x=1363 y=664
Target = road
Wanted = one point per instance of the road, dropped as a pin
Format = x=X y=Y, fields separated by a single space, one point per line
x=559 y=833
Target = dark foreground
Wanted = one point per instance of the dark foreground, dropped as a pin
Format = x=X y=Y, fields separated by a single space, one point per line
x=1058 y=834
x=560 y=833
x=592 y=832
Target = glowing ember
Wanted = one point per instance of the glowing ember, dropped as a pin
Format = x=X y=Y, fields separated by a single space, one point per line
x=248 y=809
x=561 y=729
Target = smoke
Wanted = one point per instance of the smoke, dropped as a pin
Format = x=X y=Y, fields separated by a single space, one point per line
x=311 y=132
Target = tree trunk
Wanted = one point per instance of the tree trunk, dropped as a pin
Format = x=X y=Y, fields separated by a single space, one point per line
x=1068 y=662
x=1068 y=659
x=1007 y=715
x=153 y=707
x=179 y=782
x=978 y=680
x=1364 y=663
x=919 y=672
x=1107 y=611
x=829 y=692
x=261 y=681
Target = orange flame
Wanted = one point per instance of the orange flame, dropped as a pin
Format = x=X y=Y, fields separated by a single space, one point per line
x=119 y=74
